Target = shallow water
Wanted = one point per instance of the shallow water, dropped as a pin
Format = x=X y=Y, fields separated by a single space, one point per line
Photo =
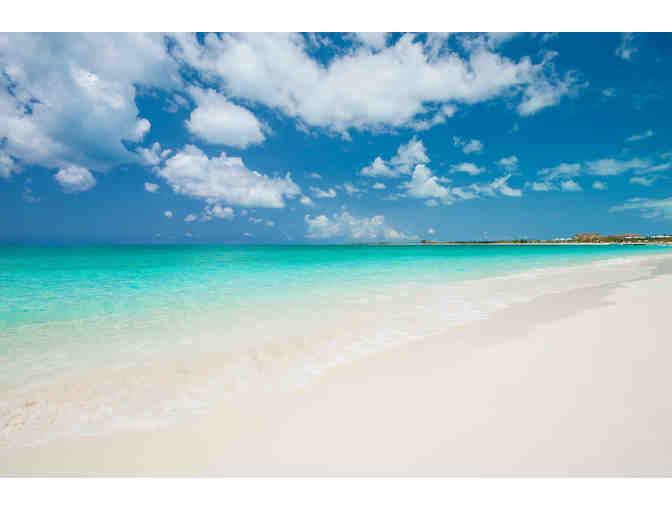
x=93 y=337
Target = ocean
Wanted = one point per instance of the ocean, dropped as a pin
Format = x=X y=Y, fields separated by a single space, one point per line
x=248 y=313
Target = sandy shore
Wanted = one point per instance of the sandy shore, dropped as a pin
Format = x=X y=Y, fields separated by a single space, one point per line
x=574 y=383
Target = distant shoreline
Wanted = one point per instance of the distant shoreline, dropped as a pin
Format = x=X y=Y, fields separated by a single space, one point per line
x=546 y=243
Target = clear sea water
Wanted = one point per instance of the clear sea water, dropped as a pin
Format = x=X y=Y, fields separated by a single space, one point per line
x=58 y=304
x=96 y=338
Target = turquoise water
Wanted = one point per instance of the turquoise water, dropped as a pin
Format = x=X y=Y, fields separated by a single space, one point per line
x=59 y=304
x=47 y=285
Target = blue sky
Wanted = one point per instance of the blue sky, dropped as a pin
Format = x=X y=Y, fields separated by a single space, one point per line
x=293 y=138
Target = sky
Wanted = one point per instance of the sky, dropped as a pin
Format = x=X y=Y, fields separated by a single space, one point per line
x=333 y=137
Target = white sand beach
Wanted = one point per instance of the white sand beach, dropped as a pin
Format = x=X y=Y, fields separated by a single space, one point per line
x=573 y=382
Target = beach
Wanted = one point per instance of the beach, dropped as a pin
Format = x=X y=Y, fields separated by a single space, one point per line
x=551 y=371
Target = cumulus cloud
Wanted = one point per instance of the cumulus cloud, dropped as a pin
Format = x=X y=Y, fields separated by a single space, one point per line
x=510 y=164
x=570 y=185
x=190 y=217
x=168 y=214
x=217 y=211
x=641 y=136
x=351 y=189
x=153 y=155
x=74 y=179
x=225 y=179
x=347 y=226
x=468 y=147
x=561 y=177
x=374 y=40
x=320 y=193
x=306 y=201
x=217 y=120
x=468 y=168
x=424 y=184
x=8 y=166
x=648 y=208
x=599 y=185
x=278 y=71
x=627 y=49
x=151 y=187
x=378 y=185
x=611 y=166
x=402 y=163
x=67 y=100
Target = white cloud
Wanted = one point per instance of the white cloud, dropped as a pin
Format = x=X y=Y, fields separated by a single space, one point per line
x=277 y=70
x=510 y=164
x=541 y=186
x=378 y=185
x=347 y=226
x=306 y=201
x=247 y=234
x=320 y=193
x=501 y=185
x=424 y=184
x=374 y=40
x=655 y=168
x=599 y=185
x=644 y=181
x=72 y=98
x=168 y=214
x=151 y=187
x=430 y=231
x=610 y=166
x=468 y=168
x=610 y=92
x=445 y=112
x=408 y=155
x=268 y=223
x=225 y=179
x=150 y=156
x=570 y=185
x=468 y=147
x=217 y=120
x=190 y=217
x=642 y=136
x=627 y=49
x=74 y=179
x=562 y=176
x=314 y=175
x=553 y=178
x=379 y=169
x=217 y=211
x=8 y=166
x=352 y=189
x=647 y=207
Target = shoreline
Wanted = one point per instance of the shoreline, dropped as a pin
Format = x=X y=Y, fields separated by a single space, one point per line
x=419 y=408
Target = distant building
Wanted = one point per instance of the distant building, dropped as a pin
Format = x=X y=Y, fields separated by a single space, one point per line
x=633 y=236
x=586 y=236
